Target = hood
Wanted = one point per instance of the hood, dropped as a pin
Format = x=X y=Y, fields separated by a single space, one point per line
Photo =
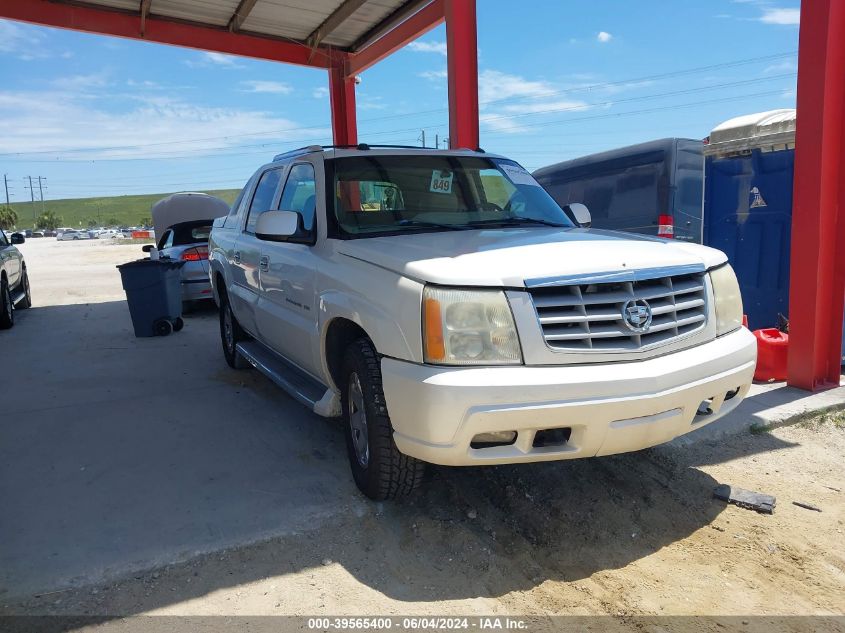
x=509 y=257
x=186 y=207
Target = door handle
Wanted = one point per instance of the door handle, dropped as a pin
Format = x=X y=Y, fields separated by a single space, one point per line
x=264 y=263
x=237 y=257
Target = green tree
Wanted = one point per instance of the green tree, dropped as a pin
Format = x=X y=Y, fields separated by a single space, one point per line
x=92 y=223
x=48 y=220
x=8 y=218
x=147 y=221
x=113 y=221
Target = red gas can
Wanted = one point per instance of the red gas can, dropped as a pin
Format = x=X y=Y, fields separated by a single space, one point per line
x=771 y=354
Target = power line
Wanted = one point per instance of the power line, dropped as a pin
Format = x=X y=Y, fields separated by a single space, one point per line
x=590 y=87
x=578 y=107
x=556 y=122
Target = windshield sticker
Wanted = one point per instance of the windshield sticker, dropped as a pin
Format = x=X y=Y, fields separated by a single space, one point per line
x=518 y=175
x=441 y=181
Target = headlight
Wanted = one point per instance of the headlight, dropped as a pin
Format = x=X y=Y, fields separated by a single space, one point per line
x=468 y=327
x=727 y=298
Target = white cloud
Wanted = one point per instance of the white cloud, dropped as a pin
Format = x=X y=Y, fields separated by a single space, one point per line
x=81 y=83
x=62 y=120
x=146 y=83
x=494 y=85
x=791 y=17
x=604 y=37
x=428 y=47
x=534 y=97
x=366 y=102
x=786 y=66
x=320 y=93
x=560 y=105
x=434 y=75
x=23 y=41
x=271 y=87
x=214 y=59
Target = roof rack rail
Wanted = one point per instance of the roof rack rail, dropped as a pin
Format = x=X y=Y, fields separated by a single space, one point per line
x=360 y=146
x=298 y=152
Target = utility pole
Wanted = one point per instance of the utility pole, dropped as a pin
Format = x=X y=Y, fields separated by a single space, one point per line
x=32 y=199
x=436 y=141
x=6 y=184
x=422 y=137
x=41 y=191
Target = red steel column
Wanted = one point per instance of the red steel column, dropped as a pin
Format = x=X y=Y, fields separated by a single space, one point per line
x=462 y=50
x=817 y=275
x=342 y=93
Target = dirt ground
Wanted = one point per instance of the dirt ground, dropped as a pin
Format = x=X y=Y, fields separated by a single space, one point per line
x=636 y=534
x=627 y=535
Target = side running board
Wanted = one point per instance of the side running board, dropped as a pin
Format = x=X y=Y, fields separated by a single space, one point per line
x=295 y=382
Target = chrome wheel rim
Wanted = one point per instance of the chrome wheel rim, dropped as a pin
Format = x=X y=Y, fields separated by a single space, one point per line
x=358 y=421
x=228 y=337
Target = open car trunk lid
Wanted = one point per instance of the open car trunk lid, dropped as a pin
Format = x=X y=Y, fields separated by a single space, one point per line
x=186 y=207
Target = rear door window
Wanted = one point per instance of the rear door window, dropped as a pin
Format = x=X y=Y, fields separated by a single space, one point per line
x=300 y=194
x=262 y=199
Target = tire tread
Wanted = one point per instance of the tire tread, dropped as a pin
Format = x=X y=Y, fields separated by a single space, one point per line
x=397 y=474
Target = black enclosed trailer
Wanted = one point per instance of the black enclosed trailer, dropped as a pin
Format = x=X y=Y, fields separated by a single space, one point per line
x=653 y=188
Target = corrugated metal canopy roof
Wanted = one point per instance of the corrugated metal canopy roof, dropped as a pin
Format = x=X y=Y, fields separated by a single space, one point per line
x=298 y=20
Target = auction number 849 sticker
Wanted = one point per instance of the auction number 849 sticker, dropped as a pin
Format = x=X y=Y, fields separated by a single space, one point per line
x=441 y=181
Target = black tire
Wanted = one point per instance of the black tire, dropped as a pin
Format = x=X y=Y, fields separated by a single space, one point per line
x=7 y=309
x=162 y=327
x=26 y=301
x=178 y=324
x=229 y=343
x=383 y=472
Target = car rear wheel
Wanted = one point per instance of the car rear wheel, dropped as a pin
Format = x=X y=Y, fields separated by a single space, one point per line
x=26 y=300
x=231 y=333
x=379 y=469
x=7 y=309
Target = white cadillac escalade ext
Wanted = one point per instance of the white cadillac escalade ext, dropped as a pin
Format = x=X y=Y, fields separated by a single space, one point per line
x=449 y=311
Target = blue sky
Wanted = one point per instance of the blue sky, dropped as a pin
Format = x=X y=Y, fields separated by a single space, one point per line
x=104 y=116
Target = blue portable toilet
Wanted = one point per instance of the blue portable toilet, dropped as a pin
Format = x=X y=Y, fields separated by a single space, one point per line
x=748 y=170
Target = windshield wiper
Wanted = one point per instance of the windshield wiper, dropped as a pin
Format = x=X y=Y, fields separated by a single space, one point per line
x=436 y=225
x=517 y=220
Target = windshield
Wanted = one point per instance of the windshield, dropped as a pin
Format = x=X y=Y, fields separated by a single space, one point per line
x=394 y=194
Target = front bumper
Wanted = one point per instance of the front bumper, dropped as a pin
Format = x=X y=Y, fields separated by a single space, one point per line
x=608 y=407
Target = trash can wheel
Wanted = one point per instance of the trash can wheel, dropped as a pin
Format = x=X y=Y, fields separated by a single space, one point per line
x=178 y=324
x=162 y=327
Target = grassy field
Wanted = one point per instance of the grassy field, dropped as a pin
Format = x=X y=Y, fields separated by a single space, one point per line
x=120 y=210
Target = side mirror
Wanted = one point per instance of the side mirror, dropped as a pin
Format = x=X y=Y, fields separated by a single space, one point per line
x=18 y=238
x=147 y=248
x=581 y=214
x=276 y=226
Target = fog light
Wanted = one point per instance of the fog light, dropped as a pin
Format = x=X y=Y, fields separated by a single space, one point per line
x=496 y=438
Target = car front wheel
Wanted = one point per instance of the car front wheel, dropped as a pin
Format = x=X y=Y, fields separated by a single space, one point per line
x=379 y=469
x=7 y=309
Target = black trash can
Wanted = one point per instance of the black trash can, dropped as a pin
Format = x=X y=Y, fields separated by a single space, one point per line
x=154 y=294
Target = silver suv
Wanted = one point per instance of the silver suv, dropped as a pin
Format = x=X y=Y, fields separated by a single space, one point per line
x=449 y=311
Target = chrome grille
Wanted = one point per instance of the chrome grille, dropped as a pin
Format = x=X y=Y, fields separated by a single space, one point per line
x=588 y=316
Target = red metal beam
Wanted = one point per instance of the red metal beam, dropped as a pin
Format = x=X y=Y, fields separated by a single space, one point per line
x=462 y=50
x=344 y=115
x=118 y=23
x=817 y=276
x=418 y=24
